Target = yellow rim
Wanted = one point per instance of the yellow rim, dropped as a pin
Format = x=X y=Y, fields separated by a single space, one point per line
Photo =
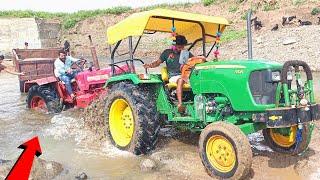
x=220 y=153
x=282 y=140
x=121 y=122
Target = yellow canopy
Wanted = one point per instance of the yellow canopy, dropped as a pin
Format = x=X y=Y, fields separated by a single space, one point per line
x=187 y=24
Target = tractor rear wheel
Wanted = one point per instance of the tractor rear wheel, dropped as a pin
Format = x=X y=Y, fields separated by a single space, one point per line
x=132 y=120
x=283 y=140
x=43 y=98
x=225 y=151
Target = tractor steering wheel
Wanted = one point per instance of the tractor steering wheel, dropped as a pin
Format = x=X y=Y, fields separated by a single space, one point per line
x=142 y=62
x=78 y=65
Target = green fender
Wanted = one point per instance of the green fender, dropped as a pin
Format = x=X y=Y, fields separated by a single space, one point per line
x=134 y=78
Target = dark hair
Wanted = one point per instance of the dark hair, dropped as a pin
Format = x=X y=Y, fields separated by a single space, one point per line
x=181 y=40
x=1 y=57
x=62 y=51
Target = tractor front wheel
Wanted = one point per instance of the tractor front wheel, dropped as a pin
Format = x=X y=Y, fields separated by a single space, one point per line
x=225 y=151
x=283 y=140
x=43 y=98
x=132 y=121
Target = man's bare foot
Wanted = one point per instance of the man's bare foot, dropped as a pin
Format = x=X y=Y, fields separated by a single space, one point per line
x=181 y=108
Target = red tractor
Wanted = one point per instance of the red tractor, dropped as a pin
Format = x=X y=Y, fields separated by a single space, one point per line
x=49 y=93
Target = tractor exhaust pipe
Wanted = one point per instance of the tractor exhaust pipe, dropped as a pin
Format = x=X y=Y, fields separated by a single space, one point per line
x=249 y=34
x=94 y=54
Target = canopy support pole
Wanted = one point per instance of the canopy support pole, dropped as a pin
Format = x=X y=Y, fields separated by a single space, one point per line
x=112 y=57
x=131 y=55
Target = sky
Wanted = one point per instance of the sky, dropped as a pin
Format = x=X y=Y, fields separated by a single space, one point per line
x=76 y=5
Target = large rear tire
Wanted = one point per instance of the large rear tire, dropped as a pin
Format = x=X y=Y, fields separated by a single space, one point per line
x=286 y=143
x=225 y=151
x=43 y=98
x=132 y=121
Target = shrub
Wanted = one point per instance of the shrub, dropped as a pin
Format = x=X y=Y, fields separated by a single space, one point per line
x=315 y=11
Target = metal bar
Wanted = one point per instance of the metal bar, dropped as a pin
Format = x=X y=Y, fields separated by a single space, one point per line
x=211 y=35
x=94 y=54
x=286 y=95
x=249 y=34
x=131 y=55
x=194 y=43
x=134 y=50
x=153 y=32
x=312 y=99
x=196 y=22
x=211 y=49
x=203 y=39
x=112 y=57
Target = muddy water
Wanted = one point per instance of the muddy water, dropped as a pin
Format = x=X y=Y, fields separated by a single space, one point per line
x=63 y=141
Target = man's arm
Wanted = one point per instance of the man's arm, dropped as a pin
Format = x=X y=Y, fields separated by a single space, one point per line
x=162 y=58
x=73 y=59
x=153 y=64
x=11 y=71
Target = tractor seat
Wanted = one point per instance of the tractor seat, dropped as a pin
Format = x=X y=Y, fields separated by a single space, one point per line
x=172 y=85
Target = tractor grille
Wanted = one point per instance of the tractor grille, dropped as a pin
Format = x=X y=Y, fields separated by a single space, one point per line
x=262 y=90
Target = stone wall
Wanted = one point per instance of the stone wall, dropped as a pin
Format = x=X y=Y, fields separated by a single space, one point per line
x=14 y=32
x=49 y=32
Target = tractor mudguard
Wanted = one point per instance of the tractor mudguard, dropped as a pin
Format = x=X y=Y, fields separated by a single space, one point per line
x=40 y=82
x=43 y=81
x=134 y=78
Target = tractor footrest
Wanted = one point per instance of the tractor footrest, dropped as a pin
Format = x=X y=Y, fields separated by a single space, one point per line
x=285 y=117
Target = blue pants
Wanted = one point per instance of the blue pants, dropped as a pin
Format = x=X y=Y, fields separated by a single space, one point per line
x=67 y=80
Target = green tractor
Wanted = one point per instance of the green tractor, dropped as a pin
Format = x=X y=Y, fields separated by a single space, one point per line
x=225 y=100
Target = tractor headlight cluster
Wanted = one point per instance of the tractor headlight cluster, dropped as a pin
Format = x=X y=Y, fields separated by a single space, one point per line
x=275 y=75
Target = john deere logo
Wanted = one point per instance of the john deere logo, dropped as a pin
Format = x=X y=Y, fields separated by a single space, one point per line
x=274 y=118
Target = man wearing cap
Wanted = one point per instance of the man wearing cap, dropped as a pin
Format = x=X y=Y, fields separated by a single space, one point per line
x=173 y=57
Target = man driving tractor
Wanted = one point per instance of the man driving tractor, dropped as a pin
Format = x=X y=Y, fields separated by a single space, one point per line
x=174 y=59
x=63 y=71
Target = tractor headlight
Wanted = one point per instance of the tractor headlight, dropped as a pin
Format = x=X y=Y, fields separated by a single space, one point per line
x=275 y=75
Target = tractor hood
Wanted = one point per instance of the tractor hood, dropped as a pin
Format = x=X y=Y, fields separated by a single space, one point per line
x=241 y=81
x=248 y=65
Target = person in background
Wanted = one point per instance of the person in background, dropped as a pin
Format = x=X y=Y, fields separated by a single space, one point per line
x=66 y=47
x=26 y=44
x=63 y=71
x=7 y=69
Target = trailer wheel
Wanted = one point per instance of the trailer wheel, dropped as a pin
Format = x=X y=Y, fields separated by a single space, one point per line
x=43 y=98
x=283 y=140
x=225 y=151
x=132 y=121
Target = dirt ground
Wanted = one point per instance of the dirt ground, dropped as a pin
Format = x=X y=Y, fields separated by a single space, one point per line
x=231 y=10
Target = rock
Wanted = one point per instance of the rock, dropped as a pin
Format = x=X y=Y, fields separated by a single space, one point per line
x=41 y=169
x=289 y=41
x=147 y=165
x=259 y=40
x=162 y=156
x=82 y=176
